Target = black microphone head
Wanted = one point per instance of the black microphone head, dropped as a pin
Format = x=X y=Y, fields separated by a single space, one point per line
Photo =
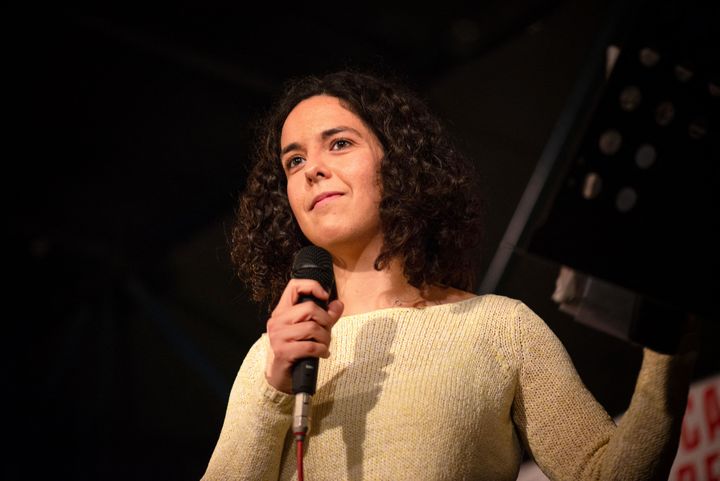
x=313 y=262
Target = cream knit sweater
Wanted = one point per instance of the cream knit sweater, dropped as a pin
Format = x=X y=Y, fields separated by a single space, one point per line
x=448 y=392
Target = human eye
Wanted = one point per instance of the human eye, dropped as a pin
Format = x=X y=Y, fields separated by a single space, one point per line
x=339 y=144
x=293 y=162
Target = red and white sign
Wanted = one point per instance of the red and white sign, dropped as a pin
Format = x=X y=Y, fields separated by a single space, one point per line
x=698 y=456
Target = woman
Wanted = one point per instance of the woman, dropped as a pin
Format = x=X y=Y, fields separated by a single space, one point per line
x=420 y=378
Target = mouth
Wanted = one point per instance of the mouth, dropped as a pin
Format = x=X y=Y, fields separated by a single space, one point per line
x=323 y=198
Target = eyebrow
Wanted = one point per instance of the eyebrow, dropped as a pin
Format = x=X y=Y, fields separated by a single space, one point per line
x=323 y=135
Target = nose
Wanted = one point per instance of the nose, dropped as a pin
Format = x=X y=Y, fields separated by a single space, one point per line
x=315 y=169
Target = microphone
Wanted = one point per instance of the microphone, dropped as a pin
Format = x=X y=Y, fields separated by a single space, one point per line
x=311 y=262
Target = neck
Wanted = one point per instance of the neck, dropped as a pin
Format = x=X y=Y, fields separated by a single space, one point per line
x=362 y=288
x=366 y=289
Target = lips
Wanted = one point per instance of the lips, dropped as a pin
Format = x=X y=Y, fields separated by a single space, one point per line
x=323 y=197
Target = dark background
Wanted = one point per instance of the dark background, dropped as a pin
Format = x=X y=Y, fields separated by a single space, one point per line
x=134 y=126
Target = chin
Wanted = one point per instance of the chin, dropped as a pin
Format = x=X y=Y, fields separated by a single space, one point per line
x=327 y=242
x=338 y=235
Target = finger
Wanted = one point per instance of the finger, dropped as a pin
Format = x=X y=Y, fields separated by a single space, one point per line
x=311 y=312
x=305 y=331
x=305 y=349
x=290 y=352
x=297 y=287
x=283 y=332
x=300 y=313
x=308 y=287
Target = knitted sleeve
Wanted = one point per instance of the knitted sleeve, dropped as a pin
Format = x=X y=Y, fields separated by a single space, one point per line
x=570 y=435
x=257 y=419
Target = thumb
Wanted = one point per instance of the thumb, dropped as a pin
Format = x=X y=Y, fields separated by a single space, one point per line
x=335 y=309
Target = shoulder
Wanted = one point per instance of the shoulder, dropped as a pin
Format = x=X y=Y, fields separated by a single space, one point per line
x=508 y=308
x=449 y=295
x=503 y=316
x=500 y=311
x=493 y=303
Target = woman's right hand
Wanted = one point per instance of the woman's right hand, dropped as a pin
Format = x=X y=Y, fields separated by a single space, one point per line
x=297 y=331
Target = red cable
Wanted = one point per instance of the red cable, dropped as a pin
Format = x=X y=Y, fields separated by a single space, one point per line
x=299 y=445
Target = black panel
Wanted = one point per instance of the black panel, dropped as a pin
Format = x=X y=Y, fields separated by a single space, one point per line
x=637 y=204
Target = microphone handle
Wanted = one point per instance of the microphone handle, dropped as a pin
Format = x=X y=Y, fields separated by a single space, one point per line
x=304 y=375
x=305 y=371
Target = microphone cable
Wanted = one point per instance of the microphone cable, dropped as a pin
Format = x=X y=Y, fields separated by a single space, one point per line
x=299 y=451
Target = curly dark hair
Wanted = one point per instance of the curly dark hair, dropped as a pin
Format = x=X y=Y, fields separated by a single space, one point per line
x=430 y=210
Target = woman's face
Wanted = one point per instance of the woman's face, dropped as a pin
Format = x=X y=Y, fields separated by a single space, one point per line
x=331 y=160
